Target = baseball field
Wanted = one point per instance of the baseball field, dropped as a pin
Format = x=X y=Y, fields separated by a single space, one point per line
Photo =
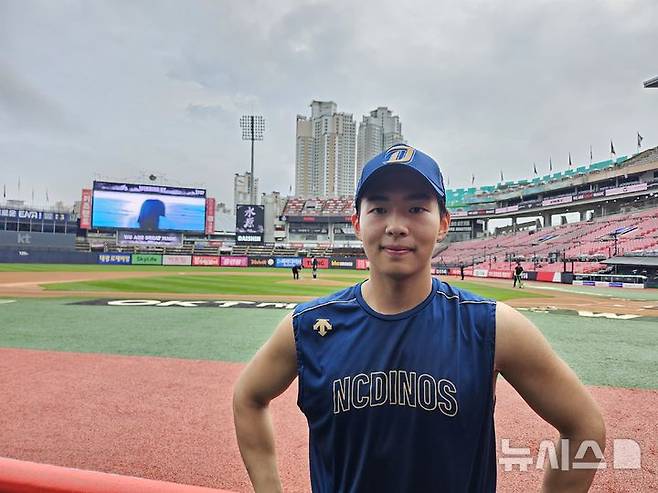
x=130 y=369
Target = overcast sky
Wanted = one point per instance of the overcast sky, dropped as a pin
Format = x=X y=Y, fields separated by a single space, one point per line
x=122 y=89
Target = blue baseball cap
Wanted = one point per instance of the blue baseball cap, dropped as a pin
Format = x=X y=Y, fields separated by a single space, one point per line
x=402 y=155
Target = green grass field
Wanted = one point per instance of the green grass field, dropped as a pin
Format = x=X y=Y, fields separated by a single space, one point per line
x=271 y=282
x=601 y=351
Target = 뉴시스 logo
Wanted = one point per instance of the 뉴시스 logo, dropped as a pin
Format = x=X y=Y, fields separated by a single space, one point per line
x=626 y=454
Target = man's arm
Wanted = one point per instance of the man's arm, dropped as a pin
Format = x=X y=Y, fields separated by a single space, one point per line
x=553 y=391
x=269 y=373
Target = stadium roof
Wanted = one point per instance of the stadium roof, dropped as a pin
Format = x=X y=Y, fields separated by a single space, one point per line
x=644 y=261
x=651 y=82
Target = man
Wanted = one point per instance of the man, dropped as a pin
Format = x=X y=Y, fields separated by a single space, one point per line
x=397 y=373
x=150 y=213
x=461 y=269
x=295 y=272
x=518 y=270
x=314 y=268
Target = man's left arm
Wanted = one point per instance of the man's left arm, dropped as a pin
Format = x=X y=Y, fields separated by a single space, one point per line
x=553 y=391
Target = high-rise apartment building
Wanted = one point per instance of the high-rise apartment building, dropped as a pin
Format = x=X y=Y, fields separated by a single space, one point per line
x=377 y=132
x=325 y=152
x=241 y=192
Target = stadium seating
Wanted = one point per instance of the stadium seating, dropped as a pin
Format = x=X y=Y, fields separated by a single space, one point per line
x=337 y=206
x=583 y=243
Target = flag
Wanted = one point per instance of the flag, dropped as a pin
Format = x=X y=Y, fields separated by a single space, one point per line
x=472 y=179
x=33 y=195
x=534 y=167
x=590 y=154
x=4 y=191
x=19 y=184
x=550 y=164
x=612 y=149
x=570 y=163
x=639 y=141
x=502 y=178
x=47 y=200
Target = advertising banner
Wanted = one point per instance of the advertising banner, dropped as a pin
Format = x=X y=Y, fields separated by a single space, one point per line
x=146 y=259
x=177 y=260
x=362 y=264
x=287 y=261
x=85 y=209
x=114 y=258
x=138 y=238
x=205 y=260
x=557 y=201
x=261 y=262
x=234 y=261
x=316 y=219
x=504 y=210
x=303 y=228
x=323 y=263
x=210 y=216
x=502 y=274
x=637 y=187
x=249 y=224
x=27 y=215
x=148 y=207
x=342 y=263
x=548 y=276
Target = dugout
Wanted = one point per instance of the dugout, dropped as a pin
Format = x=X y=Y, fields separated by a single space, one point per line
x=639 y=265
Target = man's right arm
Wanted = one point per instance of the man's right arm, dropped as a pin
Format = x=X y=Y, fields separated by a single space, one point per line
x=267 y=375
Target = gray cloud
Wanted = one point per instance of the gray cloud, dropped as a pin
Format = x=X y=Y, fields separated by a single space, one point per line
x=483 y=86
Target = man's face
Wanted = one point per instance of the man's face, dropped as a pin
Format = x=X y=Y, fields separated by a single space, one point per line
x=399 y=222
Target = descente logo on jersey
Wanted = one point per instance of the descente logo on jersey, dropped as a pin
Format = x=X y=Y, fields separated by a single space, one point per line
x=397 y=387
x=323 y=326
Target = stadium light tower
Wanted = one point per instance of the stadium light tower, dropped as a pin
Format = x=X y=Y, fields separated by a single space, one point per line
x=253 y=127
x=651 y=83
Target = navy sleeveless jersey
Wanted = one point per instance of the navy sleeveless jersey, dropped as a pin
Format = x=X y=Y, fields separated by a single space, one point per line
x=398 y=403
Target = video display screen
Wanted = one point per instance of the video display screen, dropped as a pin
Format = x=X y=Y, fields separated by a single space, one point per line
x=148 y=207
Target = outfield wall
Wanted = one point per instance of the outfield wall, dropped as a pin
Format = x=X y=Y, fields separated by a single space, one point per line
x=29 y=255
x=54 y=256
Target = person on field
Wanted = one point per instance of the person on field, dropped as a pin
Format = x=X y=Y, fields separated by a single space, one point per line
x=518 y=271
x=314 y=268
x=295 y=272
x=397 y=374
x=461 y=270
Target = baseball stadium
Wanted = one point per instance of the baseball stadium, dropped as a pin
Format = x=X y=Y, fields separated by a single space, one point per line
x=127 y=320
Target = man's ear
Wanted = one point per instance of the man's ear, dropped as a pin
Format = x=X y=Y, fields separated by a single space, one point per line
x=357 y=225
x=444 y=226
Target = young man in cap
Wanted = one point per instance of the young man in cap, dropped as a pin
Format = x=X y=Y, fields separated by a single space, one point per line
x=397 y=373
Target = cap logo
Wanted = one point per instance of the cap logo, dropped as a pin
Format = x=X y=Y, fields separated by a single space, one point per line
x=400 y=154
